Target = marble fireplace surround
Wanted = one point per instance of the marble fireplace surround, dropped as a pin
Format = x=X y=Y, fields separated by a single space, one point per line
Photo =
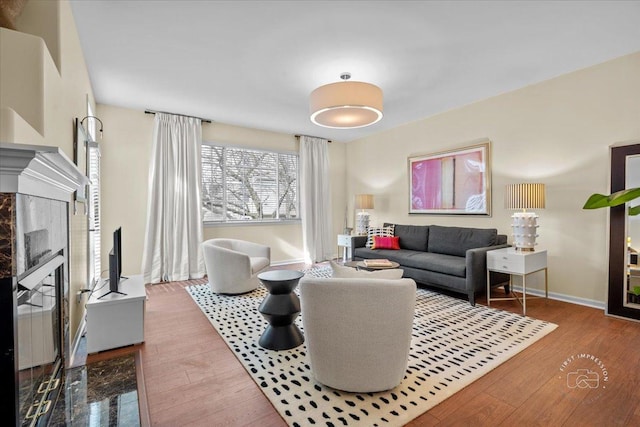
x=36 y=185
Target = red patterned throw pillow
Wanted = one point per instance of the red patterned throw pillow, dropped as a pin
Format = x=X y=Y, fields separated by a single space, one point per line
x=391 y=242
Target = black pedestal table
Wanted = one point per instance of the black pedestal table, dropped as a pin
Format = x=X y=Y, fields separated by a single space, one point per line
x=280 y=308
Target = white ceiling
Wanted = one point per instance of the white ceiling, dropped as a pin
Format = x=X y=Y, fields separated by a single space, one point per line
x=254 y=63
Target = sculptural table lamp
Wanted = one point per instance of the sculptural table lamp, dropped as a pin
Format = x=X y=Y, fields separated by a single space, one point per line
x=524 y=224
x=363 y=201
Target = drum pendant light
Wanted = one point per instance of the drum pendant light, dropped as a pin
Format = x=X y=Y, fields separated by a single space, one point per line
x=346 y=104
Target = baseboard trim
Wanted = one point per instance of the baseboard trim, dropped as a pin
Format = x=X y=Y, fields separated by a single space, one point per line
x=287 y=262
x=565 y=298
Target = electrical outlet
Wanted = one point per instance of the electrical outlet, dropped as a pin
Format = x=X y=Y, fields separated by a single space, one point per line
x=79 y=295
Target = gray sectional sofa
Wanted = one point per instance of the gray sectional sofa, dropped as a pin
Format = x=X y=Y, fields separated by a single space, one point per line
x=451 y=258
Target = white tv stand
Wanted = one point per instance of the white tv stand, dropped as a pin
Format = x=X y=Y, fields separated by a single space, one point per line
x=116 y=320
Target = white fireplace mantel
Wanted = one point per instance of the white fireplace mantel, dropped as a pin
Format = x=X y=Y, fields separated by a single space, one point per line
x=39 y=170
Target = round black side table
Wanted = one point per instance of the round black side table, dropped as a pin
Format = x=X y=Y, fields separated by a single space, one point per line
x=280 y=308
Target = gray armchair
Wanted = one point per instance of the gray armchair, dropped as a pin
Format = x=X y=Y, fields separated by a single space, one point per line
x=358 y=330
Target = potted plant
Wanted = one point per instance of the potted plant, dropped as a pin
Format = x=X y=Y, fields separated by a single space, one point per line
x=634 y=295
x=621 y=197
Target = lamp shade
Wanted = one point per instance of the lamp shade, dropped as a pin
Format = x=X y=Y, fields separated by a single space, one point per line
x=524 y=196
x=364 y=201
x=346 y=105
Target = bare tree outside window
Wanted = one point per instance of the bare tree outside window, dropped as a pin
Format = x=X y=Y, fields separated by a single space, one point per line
x=248 y=185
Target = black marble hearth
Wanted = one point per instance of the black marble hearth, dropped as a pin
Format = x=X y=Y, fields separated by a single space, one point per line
x=99 y=394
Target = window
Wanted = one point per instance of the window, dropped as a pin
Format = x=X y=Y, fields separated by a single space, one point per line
x=93 y=173
x=248 y=185
x=94 y=211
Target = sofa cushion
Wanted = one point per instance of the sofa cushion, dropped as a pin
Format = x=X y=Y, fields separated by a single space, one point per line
x=439 y=263
x=457 y=240
x=390 y=254
x=378 y=231
x=413 y=237
x=340 y=271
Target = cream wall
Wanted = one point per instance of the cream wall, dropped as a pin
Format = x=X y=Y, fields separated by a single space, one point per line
x=126 y=153
x=44 y=86
x=556 y=132
x=124 y=168
x=42 y=18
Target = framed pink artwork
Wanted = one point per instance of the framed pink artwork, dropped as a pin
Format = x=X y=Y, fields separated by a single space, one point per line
x=451 y=182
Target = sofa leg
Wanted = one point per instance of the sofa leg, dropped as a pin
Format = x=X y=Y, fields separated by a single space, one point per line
x=507 y=289
x=472 y=298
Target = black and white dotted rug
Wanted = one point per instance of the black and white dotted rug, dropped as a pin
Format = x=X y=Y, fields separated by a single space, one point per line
x=453 y=345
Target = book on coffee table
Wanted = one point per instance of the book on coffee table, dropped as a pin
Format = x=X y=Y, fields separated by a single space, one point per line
x=377 y=263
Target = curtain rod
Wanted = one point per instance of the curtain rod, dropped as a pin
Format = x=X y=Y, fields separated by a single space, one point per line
x=298 y=136
x=183 y=115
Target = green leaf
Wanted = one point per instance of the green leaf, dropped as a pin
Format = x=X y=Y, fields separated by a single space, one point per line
x=634 y=210
x=623 y=196
x=597 y=201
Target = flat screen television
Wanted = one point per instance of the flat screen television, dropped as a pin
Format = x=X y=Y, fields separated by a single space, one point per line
x=117 y=250
x=115 y=264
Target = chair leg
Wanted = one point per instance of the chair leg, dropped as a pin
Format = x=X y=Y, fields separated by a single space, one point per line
x=507 y=288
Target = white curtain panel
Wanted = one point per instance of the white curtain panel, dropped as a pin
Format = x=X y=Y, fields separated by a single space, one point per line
x=172 y=247
x=315 y=199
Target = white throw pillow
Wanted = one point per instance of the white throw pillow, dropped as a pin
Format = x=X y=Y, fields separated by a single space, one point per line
x=342 y=272
x=378 y=231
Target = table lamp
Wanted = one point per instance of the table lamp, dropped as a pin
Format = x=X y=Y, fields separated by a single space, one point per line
x=363 y=201
x=524 y=224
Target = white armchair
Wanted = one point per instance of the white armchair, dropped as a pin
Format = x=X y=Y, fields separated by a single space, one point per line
x=233 y=265
x=358 y=330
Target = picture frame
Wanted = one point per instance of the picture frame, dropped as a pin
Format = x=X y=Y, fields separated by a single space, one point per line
x=455 y=182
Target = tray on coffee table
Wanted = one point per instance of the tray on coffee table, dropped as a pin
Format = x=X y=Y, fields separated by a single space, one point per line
x=362 y=266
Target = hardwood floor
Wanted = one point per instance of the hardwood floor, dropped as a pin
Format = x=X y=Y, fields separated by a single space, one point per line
x=193 y=379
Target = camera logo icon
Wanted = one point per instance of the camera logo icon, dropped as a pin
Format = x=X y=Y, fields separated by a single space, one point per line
x=583 y=378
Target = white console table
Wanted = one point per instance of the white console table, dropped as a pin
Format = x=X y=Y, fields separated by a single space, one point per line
x=116 y=320
x=344 y=241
